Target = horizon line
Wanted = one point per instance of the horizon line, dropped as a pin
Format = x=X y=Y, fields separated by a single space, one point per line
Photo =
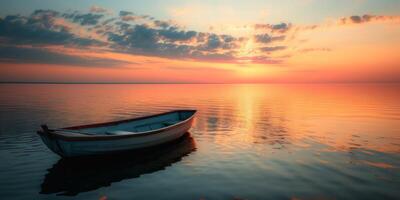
x=139 y=83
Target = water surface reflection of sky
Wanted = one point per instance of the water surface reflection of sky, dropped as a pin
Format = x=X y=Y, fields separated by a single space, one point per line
x=252 y=141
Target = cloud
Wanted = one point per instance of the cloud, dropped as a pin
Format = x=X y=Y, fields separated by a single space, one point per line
x=271 y=49
x=213 y=42
x=355 y=19
x=39 y=29
x=11 y=54
x=84 y=19
x=98 y=9
x=134 y=34
x=31 y=30
x=280 y=28
x=196 y=69
x=351 y=20
x=162 y=39
x=226 y=57
x=260 y=60
x=130 y=16
x=128 y=33
x=306 y=50
x=125 y=13
x=266 y=33
x=162 y=24
x=142 y=37
x=266 y=38
x=173 y=34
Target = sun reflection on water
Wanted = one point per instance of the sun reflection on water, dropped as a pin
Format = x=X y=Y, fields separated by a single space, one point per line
x=291 y=140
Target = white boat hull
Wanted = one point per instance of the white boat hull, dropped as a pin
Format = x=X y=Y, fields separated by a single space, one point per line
x=66 y=146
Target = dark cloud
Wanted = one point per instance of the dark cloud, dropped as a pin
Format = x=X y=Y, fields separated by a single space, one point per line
x=271 y=49
x=124 y=34
x=108 y=21
x=213 y=42
x=162 y=24
x=151 y=37
x=84 y=19
x=266 y=38
x=39 y=29
x=132 y=17
x=358 y=19
x=142 y=37
x=47 y=13
x=281 y=28
x=125 y=13
x=263 y=38
x=23 y=30
x=11 y=54
x=355 y=19
x=43 y=18
x=173 y=34
x=215 y=57
x=228 y=38
x=170 y=41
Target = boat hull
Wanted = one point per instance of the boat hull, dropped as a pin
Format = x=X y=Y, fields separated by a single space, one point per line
x=66 y=146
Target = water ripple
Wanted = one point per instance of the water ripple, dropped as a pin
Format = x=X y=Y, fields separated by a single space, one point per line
x=251 y=142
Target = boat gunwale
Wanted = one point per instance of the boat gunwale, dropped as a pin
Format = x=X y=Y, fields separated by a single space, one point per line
x=82 y=137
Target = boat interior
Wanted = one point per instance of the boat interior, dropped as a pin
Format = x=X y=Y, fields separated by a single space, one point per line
x=136 y=125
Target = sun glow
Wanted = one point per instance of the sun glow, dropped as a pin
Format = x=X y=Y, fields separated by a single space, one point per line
x=246 y=52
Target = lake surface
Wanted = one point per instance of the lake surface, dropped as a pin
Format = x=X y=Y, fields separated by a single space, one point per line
x=328 y=141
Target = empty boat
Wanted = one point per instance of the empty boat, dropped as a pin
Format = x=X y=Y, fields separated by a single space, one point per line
x=118 y=136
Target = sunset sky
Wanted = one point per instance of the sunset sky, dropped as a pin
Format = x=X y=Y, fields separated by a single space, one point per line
x=207 y=41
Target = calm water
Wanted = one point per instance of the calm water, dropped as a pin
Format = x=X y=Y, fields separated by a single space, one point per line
x=248 y=142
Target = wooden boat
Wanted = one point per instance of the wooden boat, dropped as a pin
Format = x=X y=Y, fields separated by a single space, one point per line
x=117 y=136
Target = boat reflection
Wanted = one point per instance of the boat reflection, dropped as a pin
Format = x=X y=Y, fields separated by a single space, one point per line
x=73 y=176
